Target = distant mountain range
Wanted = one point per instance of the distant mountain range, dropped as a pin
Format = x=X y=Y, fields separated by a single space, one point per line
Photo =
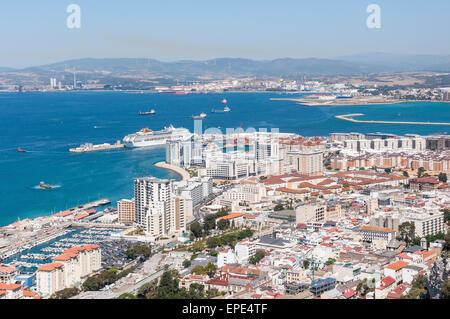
x=222 y=67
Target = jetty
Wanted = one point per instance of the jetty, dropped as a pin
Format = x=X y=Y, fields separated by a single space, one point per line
x=349 y=117
x=180 y=171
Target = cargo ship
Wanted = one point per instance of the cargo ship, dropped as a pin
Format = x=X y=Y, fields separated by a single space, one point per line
x=225 y=109
x=151 y=112
x=201 y=116
x=89 y=147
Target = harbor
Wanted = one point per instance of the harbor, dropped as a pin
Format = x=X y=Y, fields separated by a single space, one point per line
x=31 y=257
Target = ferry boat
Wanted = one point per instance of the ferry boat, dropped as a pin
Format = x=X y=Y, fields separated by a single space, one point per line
x=147 y=137
x=201 y=116
x=88 y=147
x=152 y=112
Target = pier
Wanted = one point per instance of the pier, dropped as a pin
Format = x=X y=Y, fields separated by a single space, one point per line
x=348 y=117
x=100 y=202
x=180 y=171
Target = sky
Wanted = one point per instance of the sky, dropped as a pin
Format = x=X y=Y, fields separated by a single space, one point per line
x=36 y=33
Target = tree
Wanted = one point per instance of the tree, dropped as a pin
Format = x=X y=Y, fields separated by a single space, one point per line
x=186 y=263
x=147 y=291
x=420 y=171
x=92 y=283
x=223 y=224
x=278 y=207
x=330 y=261
x=65 y=293
x=447 y=241
x=212 y=242
x=442 y=177
x=405 y=173
x=407 y=231
x=418 y=288
x=196 y=229
x=388 y=170
x=168 y=286
x=260 y=254
x=446 y=212
x=213 y=253
x=198 y=270
x=197 y=246
x=139 y=250
x=210 y=269
x=306 y=264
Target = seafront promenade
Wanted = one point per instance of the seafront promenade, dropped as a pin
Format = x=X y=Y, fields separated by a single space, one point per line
x=180 y=171
x=348 y=117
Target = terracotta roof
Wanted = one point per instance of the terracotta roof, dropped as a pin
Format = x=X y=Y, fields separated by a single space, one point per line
x=377 y=229
x=64 y=213
x=429 y=180
x=397 y=265
x=386 y=281
x=4 y=286
x=28 y=293
x=7 y=269
x=81 y=216
x=230 y=216
x=50 y=267
x=293 y=191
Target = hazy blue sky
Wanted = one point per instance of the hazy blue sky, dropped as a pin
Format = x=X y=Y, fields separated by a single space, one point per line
x=36 y=33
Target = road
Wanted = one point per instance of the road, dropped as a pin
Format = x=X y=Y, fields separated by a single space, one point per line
x=199 y=215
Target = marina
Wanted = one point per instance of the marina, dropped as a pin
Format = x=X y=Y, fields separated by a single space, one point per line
x=31 y=257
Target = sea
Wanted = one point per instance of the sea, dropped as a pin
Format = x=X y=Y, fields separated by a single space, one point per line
x=47 y=124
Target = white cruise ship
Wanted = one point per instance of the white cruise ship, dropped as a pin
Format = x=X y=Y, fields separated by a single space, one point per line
x=147 y=137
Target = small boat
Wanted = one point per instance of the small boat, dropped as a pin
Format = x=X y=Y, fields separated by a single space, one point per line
x=19 y=150
x=152 y=112
x=42 y=185
x=201 y=116
x=224 y=101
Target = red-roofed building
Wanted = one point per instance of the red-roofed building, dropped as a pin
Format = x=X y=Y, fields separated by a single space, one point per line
x=395 y=270
x=7 y=274
x=386 y=285
x=13 y=291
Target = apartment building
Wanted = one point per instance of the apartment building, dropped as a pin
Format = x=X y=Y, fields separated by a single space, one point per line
x=68 y=269
x=310 y=213
x=125 y=209
x=50 y=279
x=244 y=250
x=370 y=234
x=308 y=163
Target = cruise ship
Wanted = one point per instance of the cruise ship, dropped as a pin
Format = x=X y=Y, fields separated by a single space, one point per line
x=147 y=137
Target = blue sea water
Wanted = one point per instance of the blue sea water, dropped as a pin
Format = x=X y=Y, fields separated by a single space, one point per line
x=48 y=124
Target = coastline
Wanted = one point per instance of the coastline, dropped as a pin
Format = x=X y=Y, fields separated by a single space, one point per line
x=348 y=117
x=180 y=171
x=349 y=102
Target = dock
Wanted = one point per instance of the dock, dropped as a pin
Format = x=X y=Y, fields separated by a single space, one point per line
x=348 y=117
